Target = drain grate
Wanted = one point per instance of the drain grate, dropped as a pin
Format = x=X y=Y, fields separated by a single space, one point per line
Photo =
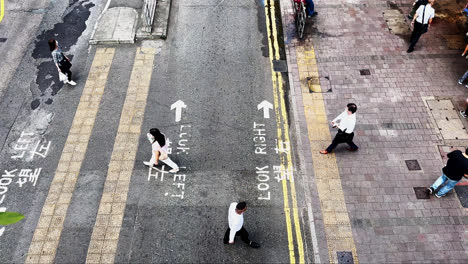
x=280 y=66
x=421 y=192
x=345 y=257
x=364 y=72
x=413 y=165
x=3 y=40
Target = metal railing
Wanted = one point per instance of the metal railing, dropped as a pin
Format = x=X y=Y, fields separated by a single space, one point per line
x=149 y=11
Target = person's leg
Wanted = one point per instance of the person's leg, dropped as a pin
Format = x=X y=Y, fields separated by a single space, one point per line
x=226 y=236
x=170 y=163
x=244 y=235
x=310 y=7
x=415 y=36
x=69 y=74
x=332 y=146
x=439 y=182
x=352 y=146
x=466 y=50
x=464 y=77
x=447 y=187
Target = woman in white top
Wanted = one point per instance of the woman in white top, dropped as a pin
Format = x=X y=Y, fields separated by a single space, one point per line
x=159 y=150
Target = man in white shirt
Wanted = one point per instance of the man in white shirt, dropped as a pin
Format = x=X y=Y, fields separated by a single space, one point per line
x=345 y=123
x=423 y=18
x=236 y=222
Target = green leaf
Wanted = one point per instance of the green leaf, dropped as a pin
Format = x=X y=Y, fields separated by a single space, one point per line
x=8 y=218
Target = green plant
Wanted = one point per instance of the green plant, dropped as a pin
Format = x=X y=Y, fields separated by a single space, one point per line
x=8 y=218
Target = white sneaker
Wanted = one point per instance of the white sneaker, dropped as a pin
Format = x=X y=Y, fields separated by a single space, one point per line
x=66 y=81
x=147 y=163
x=174 y=170
x=72 y=83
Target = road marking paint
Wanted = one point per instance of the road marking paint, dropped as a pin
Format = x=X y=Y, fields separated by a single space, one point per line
x=50 y=225
x=106 y=231
x=2 y=9
x=287 y=212
x=335 y=215
x=283 y=137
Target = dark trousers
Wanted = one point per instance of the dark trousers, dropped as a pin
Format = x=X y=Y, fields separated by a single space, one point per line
x=340 y=139
x=66 y=71
x=417 y=33
x=242 y=233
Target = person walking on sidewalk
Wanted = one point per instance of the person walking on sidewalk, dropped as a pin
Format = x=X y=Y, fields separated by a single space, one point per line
x=463 y=79
x=61 y=61
x=159 y=150
x=452 y=173
x=423 y=19
x=345 y=123
x=236 y=225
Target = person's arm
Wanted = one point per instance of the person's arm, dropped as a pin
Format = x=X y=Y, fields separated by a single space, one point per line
x=232 y=235
x=155 y=154
x=429 y=22
x=339 y=117
x=416 y=15
x=56 y=62
x=450 y=155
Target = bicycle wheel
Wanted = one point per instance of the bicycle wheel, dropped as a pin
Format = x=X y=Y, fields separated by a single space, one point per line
x=301 y=21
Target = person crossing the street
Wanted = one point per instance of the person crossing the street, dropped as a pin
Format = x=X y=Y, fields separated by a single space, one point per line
x=61 y=61
x=236 y=225
x=159 y=150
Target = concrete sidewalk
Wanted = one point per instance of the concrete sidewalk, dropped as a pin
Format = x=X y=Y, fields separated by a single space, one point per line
x=407 y=118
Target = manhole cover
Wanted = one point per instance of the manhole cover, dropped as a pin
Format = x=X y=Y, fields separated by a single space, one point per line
x=412 y=165
x=344 y=257
x=462 y=193
x=364 y=72
x=421 y=192
x=280 y=66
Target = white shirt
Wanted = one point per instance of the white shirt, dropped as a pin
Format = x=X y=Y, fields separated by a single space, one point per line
x=347 y=122
x=428 y=14
x=156 y=147
x=235 y=221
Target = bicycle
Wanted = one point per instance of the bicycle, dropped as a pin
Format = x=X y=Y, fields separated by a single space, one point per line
x=299 y=16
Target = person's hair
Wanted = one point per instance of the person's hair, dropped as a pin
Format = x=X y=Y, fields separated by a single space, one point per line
x=51 y=44
x=241 y=205
x=466 y=151
x=352 y=107
x=158 y=136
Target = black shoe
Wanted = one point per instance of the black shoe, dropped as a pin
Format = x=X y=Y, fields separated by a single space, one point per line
x=430 y=190
x=254 y=244
x=410 y=50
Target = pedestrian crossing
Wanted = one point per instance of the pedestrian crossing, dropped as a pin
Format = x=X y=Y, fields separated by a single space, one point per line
x=50 y=225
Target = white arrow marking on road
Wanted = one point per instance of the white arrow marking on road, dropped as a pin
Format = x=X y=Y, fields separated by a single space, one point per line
x=266 y=108
x=178 y=107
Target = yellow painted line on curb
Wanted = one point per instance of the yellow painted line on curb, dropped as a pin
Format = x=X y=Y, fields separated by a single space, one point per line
x=283 y=137
x=335 y=215
x=2 y=9
x=50 y=225
x=106 y=231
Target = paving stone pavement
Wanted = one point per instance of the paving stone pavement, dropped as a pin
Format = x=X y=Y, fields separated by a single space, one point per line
x=389 y=225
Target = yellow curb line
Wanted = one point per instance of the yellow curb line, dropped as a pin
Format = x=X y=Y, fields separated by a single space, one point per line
x=2 y=9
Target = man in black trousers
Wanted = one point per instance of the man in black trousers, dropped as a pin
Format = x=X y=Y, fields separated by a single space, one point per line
x=421 y=23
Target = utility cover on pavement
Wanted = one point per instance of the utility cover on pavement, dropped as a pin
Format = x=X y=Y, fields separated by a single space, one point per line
x=396 y=22
x=446 y=118
x=412 y=165
x=344 y=257
x=462 y=193
x=421 y=192
x=280 y=66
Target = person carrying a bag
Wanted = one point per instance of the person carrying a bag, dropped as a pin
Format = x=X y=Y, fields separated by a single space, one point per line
x=61 y=62
x=159 y=150
x=345 y=123
x=421 y=23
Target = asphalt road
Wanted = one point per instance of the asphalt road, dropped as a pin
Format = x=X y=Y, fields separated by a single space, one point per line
x=216 y=61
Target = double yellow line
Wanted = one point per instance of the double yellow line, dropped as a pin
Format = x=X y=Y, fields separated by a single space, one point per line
x=283 y=137
x=2 y=9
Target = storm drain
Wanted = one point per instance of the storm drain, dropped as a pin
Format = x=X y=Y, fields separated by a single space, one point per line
x=280 y=66
x=462 y=193
x=421 y=192
x=447 y=120
x=344 y=257
x=364 y=72
x=413 y=165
